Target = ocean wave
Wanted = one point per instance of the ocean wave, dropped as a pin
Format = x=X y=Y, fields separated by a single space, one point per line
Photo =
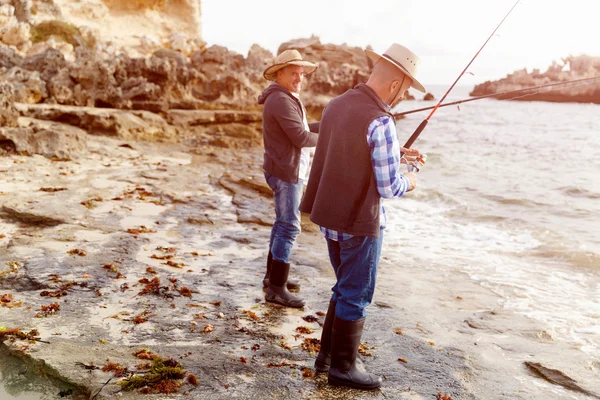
x=433 y=195
x=513 y=201
x=577 y=257
x=579 y=192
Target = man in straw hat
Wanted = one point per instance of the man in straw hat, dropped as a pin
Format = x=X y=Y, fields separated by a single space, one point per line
x=287 y=139
x=356 y=163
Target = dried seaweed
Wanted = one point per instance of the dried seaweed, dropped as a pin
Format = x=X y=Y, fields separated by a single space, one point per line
x=7 y=301
x=48 y=310
x=15 y=333
x=165 y=376
x=311 y=345
x=77 y=252
x=117 y=368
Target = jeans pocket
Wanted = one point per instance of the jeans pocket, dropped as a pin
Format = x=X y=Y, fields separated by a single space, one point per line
x=271 y=181
x=352 y=242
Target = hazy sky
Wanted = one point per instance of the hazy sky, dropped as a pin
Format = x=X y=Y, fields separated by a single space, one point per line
x=445 y=34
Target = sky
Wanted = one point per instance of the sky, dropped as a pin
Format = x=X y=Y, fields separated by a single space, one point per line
x=444 y=34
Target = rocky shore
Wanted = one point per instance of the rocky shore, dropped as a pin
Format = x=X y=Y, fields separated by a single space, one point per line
x=162 y=247
x=134 y=221
x=569 y=69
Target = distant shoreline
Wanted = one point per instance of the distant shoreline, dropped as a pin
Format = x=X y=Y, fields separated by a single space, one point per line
x=571 y=68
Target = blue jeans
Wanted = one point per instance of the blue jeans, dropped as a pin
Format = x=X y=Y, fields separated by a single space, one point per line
x=355 y=262
x=286 y=228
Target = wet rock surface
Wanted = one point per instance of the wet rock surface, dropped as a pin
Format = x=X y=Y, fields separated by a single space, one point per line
x=559 y=378
x=153 y=246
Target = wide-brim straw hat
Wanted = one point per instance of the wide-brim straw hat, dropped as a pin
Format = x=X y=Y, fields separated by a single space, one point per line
x=288 y=57
x=402 y=58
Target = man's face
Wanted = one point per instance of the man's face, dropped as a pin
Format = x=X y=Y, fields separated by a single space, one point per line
x=291 y=78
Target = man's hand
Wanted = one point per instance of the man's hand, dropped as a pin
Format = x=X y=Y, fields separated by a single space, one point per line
x=412 y=177
x=409 y=155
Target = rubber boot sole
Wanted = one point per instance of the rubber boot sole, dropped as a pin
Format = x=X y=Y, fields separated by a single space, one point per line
x=321 y=366
x=342 y=382
x=273 y=298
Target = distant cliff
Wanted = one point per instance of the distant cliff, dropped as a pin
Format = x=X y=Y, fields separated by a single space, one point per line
x=136 y=27
x=570 y=68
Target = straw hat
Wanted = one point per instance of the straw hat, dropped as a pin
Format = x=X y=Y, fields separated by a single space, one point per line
x=288 y=57
x=404 y=59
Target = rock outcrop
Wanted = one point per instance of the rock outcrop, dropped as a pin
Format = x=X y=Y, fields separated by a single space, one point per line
x=571 y=68
x=428 y=97
x=166 y=86
x=8 y=112
x=340 y=68
x=49 y=139
x=28 y=136
x=138 y=125
x=207 y=78
x=135 y=26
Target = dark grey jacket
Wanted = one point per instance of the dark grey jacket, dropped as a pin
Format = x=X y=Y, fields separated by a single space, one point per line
x=284 y=134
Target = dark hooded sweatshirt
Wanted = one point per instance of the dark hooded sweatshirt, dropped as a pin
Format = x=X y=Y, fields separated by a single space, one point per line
x=284 y=133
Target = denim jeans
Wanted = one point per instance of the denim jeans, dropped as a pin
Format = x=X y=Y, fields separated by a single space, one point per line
x=355 y=262
x=286 y=228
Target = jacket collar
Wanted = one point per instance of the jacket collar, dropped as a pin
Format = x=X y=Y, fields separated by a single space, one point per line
x=371 y=93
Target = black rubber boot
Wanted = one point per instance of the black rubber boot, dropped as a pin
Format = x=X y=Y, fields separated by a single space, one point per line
x=291 y=284
x=277 y=291
x=345 y=369
x=323 y=360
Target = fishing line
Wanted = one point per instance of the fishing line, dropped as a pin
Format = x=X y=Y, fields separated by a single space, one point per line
x=423 y=124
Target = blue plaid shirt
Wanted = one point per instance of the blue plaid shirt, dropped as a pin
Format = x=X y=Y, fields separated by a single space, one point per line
x=385 y=158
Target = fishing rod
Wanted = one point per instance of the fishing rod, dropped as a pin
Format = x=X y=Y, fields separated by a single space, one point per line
x=576 y=82
x=421 y=127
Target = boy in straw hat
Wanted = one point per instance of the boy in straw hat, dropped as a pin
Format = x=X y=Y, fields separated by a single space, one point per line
x=287 y=139
x=357 y=162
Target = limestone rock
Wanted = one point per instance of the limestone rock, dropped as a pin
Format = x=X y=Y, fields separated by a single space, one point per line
x=16 y=212
x=258 y=58
x=181 y=43
x=217 y=56
x=48 y=63
x=149 y=44
x=23 y=10
x=334 y=55
x=60 y=88
x=47 y=139
x=572 y=68
x=428 y=97
x=210 y=78
x=139 y=125
x=128 y=24
x=28 y=85
x=175 y=55
x=205 y=117
x=65 y=48
x=45 y=9
x=8 y=112
x=9 y=57
x=339 y=68
x=250 y=208
x=13 y=32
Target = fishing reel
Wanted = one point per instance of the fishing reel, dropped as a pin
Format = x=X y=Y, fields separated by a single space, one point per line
x=416 y=165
